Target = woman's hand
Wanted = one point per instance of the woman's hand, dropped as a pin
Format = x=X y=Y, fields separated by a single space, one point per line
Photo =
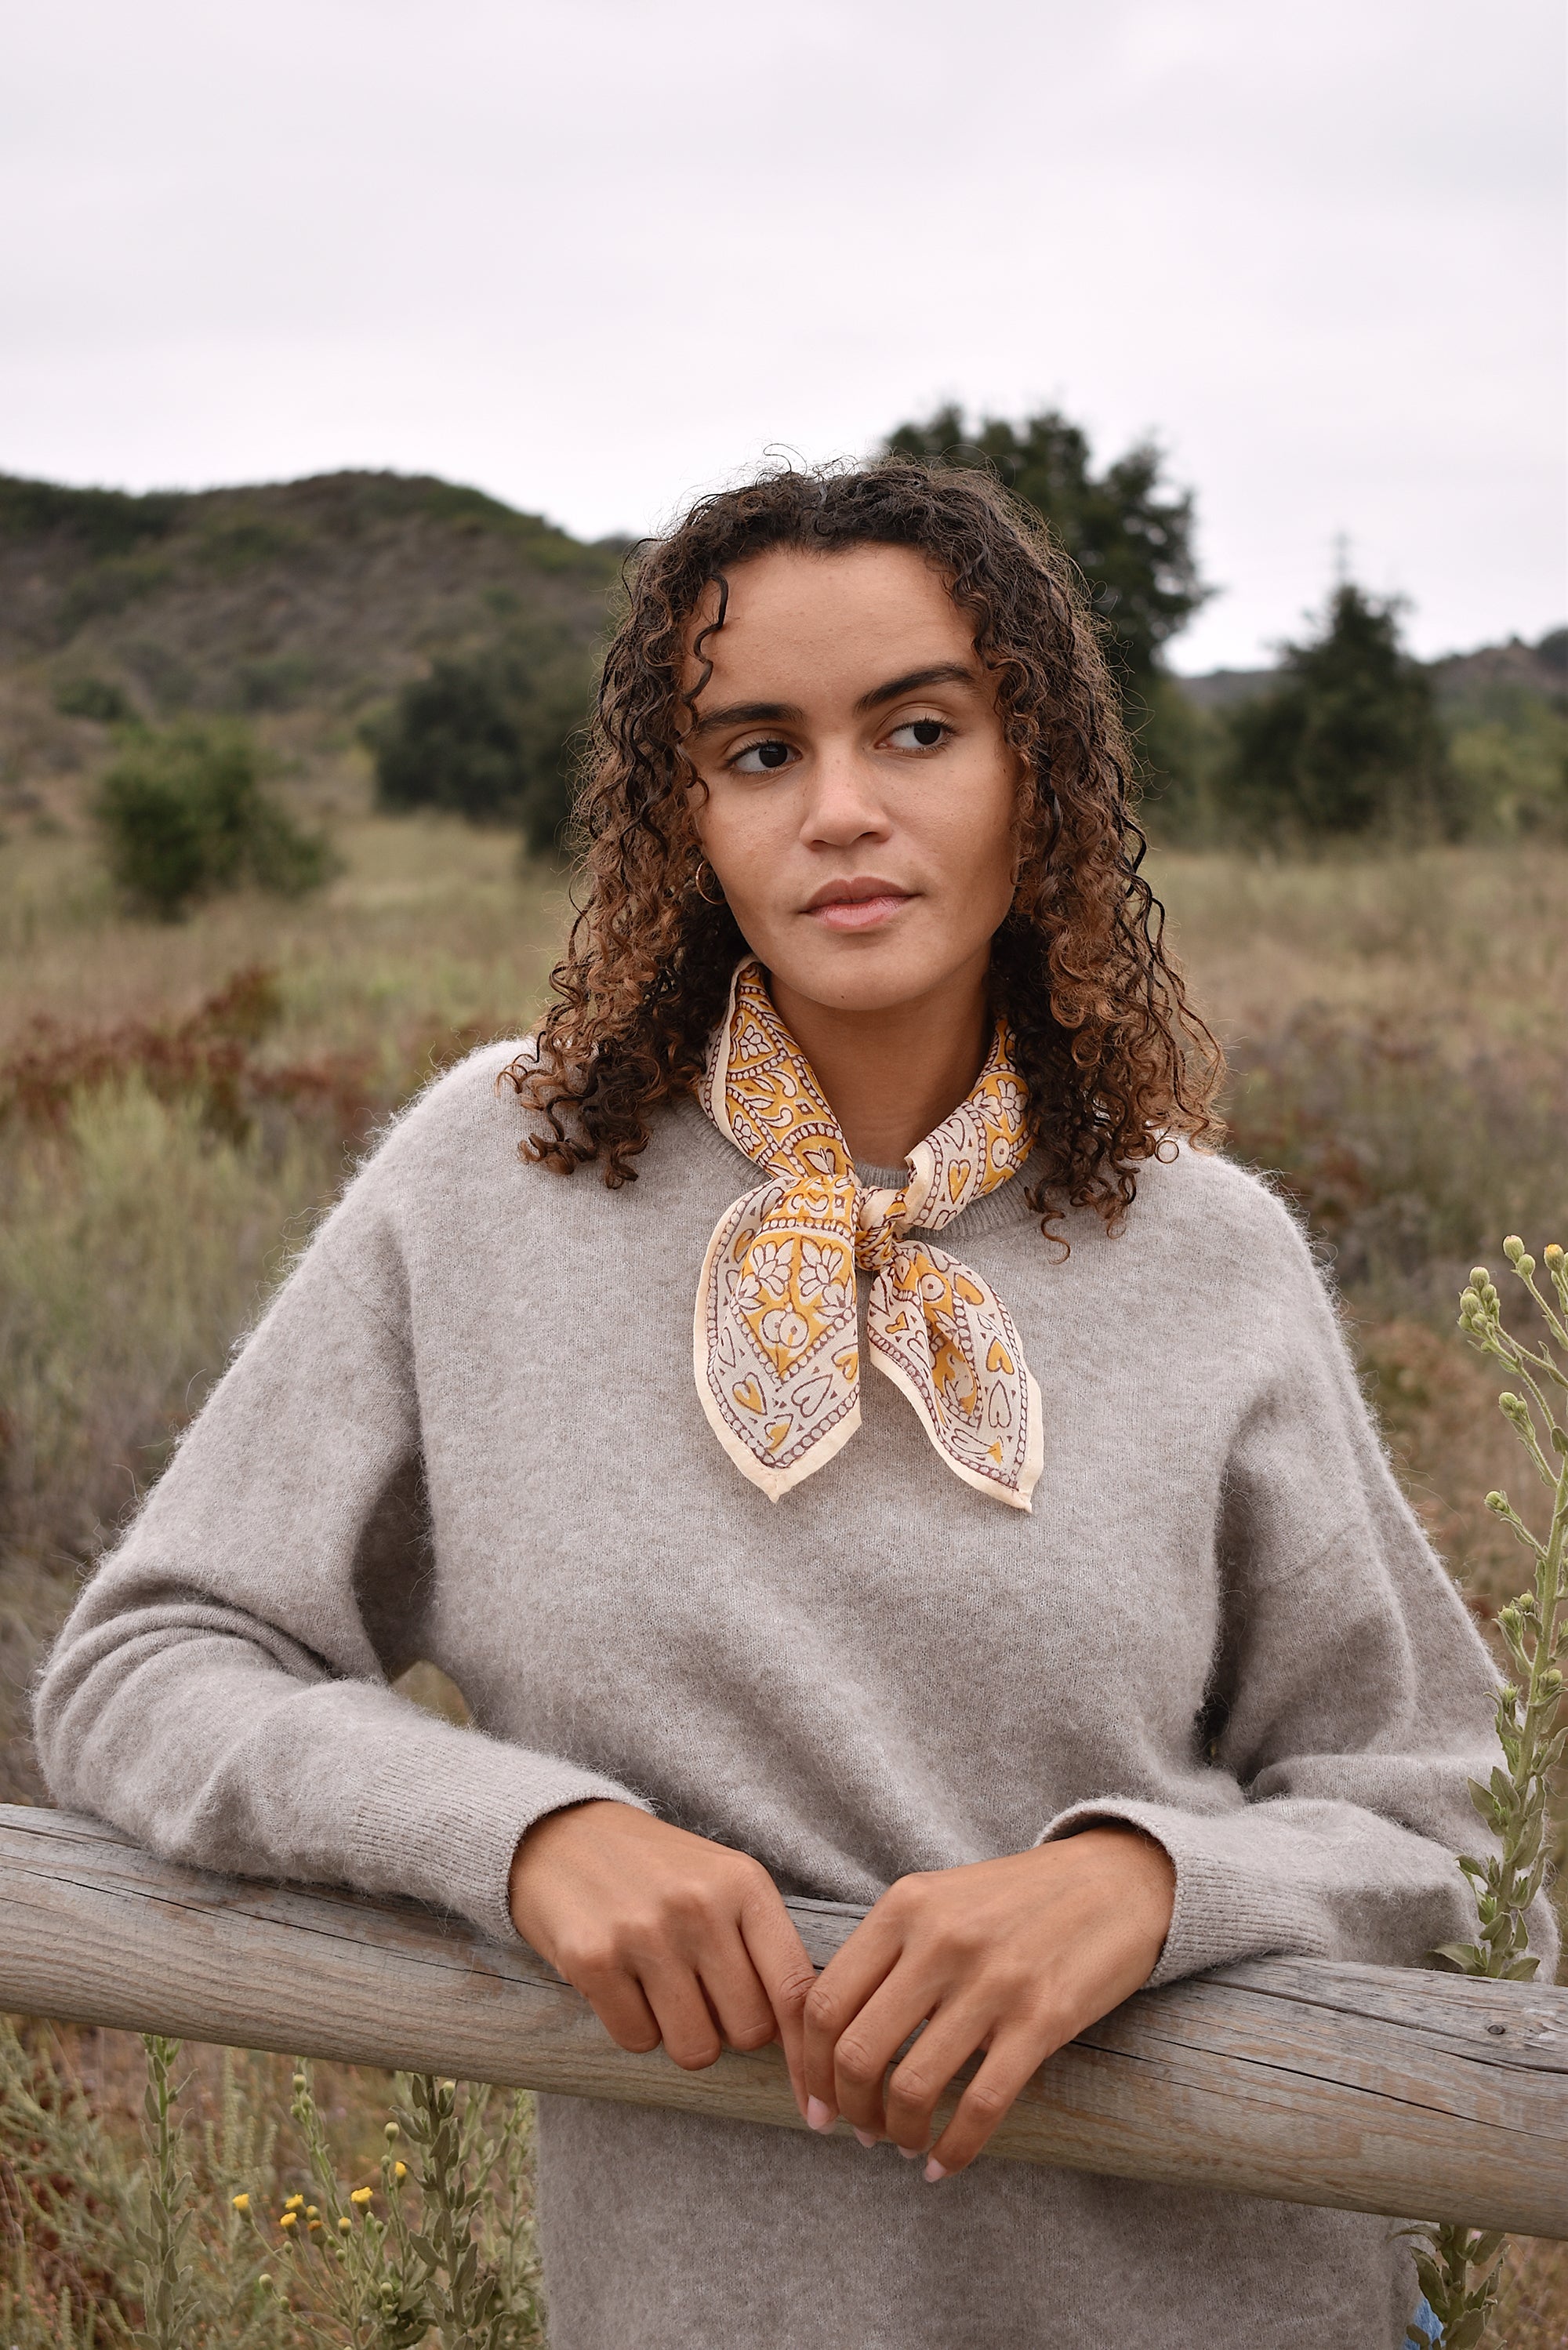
x=1014 y=1957
x=667 y=1936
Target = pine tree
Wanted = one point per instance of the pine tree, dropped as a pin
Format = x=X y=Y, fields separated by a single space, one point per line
x=1347 y=742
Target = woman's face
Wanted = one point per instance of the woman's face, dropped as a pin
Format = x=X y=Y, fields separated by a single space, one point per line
x=860 y=794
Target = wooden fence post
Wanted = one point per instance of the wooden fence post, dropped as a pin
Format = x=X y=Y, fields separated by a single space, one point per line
x=1370 y=2088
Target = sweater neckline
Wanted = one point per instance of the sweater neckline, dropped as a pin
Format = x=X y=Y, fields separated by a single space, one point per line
x=1005 y=1206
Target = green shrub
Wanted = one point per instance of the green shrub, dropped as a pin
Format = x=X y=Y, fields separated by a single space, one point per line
x=489 y=739
x=93 y=697
x=183 y=815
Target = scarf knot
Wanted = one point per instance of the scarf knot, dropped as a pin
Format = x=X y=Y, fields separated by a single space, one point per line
x=878 y=1228
x=775 y=1344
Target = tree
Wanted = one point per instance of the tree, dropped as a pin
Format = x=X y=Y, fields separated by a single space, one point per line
x=1127 y=532
x=488 y=738
x=1348 y=742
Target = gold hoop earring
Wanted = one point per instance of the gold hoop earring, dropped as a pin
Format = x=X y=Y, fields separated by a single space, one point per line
x=704 y=867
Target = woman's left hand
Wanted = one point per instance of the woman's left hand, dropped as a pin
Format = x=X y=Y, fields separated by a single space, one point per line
x=1014 y=1957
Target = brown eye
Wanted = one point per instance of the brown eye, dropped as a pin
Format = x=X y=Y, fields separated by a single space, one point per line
x=762 y=758
x=919 y=734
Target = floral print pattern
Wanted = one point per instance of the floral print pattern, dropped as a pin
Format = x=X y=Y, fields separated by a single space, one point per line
x=774 y=1344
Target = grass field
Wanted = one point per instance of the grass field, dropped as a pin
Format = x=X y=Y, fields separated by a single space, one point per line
x=177 y=1105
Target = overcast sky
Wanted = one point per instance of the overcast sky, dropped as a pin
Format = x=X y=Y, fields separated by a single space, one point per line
x=595 y=255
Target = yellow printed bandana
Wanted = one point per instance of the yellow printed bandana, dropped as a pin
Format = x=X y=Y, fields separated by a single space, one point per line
x=774 y=1344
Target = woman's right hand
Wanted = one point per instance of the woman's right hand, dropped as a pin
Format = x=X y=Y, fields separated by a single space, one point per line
x=668 y=1936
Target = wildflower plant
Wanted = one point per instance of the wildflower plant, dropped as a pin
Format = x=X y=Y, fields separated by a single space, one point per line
x=1460 y=2268
x=240 y=2232
x=380 y=2269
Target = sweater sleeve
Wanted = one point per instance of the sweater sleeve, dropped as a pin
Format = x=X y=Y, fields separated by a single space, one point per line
x=1351 y=1696
x=221 y=1690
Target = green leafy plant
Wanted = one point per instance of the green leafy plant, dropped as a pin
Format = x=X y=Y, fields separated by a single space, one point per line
x=460 y=2263
x=185 y=2238
x=162 y=2242
x=1460 y=2268
x=182 y=813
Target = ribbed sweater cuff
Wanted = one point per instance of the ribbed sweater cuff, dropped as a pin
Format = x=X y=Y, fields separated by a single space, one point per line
x=441 y=1817
x=1234 y=1899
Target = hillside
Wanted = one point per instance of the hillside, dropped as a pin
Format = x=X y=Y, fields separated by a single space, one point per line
x=1497 y=673
x=1462 y=680
x=302 y=604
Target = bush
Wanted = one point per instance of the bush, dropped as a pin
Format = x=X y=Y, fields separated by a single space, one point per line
x=489 y=739
x=183 y=815
x=92 y=697
x=1347 y=742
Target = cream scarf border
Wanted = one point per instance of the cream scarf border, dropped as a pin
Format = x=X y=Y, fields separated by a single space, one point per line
x=774 y=1344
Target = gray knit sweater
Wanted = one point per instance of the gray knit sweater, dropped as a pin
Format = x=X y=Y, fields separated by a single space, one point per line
x=466 y=1429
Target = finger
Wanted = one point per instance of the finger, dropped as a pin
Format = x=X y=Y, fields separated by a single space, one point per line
x=1008 y=2065
x=849 y=1979
x=786 y=1974
x=870 y=2042
x=617 y=2000
x=685 y=2020
x=924 y=2076
x=735 y=1992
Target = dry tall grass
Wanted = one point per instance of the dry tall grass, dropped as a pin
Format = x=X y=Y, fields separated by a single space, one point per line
x=1395 y=1027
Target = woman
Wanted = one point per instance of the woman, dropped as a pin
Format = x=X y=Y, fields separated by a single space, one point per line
x=1091 y=1644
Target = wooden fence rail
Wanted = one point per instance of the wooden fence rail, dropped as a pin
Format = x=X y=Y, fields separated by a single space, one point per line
x=1371 y=2088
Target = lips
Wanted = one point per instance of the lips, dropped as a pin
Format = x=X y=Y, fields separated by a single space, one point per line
x=861 y=901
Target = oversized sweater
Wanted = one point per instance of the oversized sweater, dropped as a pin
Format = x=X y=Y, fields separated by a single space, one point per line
x=466 y=1429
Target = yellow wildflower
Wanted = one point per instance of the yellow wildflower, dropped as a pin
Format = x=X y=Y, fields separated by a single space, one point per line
x=241 y=2202
x=361 y=2194
x=289 y=2219
x=400 y=2170
x=311 y=2212
x=294 y=2203
x=344 y=2225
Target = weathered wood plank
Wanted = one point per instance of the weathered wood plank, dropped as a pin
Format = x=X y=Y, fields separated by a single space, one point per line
x=1367 y=2088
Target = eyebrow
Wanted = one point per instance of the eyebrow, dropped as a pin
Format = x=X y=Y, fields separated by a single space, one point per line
x=938 y=673
x=765 y=714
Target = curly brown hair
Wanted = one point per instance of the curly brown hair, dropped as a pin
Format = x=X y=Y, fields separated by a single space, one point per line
x=1116 y=1062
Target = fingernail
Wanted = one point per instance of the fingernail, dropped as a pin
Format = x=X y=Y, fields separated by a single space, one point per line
x=863 y=2137
x=910 y=2153
x=820 y=2117
x=934 y=2172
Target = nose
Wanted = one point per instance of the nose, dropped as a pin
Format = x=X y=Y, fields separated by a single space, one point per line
x=843 y=804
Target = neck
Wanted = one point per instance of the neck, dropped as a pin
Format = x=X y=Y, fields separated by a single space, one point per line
x=892 y=1075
